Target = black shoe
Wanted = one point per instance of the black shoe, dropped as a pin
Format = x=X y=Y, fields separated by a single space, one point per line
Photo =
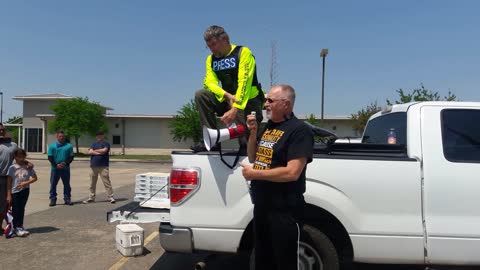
x=198 y=148
x=201 y=148
x=68 y=202
x=52 y=203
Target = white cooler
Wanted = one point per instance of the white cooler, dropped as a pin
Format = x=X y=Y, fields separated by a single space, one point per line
x=129 y=238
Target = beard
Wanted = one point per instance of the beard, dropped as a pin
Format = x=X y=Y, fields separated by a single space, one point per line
x=268 y=114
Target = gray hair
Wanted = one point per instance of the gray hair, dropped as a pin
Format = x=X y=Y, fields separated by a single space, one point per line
x=215 y=31
x=287 y=92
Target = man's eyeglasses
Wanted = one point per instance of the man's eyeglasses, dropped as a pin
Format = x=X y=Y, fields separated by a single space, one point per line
x=269 y=100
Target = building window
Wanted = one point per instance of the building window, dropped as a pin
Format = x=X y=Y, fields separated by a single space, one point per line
x=117 y=125
x=116 y=139
x=33 y=139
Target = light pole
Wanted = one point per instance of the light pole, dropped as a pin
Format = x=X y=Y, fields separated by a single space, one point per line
x=323 y=54
x=1 y=108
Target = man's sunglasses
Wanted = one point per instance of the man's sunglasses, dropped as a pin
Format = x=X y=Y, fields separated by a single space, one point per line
x=269 y=100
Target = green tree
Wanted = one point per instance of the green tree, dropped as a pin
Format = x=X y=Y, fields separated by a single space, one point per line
x=316 y=122
x=77 y=117
x=421 y=94
x=186 y=124
x=361 y=117
x=312 y=120
x=12 y=130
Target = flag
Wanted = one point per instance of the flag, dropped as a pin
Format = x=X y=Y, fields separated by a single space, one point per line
x=9 y=232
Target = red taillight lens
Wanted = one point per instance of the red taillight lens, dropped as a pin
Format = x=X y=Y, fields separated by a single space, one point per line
x=182 y=183
x=176 y=194
x=183 y=177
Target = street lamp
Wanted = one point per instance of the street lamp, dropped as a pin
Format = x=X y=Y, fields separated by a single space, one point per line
x=323 y=54
x=1 y=109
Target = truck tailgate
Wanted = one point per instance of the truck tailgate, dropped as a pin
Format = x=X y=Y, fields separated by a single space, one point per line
x=134 y=214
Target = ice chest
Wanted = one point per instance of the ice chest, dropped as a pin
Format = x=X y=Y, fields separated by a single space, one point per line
x=129 y=238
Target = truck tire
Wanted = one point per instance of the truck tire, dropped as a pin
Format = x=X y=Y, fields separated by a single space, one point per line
x=329 y=259
x=317 y=252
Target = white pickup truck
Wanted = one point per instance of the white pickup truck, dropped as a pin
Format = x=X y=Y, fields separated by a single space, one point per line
x=415 y=202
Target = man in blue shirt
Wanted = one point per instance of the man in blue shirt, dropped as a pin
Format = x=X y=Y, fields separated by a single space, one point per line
x=99 y=162
x=60 y=155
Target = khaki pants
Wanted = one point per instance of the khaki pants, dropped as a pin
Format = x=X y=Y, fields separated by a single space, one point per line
x=104 y=174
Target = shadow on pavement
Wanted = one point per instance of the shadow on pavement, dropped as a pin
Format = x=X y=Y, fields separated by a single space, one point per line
x=45 y=229
x=177 y=261
x=213 y=261
x=146 y=251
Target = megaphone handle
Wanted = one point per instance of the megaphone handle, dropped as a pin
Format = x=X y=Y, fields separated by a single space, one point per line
x=218 y=136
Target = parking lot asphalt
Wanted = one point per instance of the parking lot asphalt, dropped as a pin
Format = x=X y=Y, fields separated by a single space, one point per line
x=77 y=236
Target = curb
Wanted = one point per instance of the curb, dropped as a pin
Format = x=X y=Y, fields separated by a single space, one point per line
x=115 y=160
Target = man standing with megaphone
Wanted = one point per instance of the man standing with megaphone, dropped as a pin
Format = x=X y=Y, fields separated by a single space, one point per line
x=279 y=153
x=239 y=94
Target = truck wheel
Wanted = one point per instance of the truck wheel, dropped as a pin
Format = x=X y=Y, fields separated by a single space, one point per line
x=318 y=243
x=317 y=252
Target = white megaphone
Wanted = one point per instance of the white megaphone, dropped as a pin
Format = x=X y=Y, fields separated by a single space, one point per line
x=213 y=136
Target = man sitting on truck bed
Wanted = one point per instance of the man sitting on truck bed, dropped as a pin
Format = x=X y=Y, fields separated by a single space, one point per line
x=280 y=156
x=240 y=93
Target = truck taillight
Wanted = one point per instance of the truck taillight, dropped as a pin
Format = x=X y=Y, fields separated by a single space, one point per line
x=183 y=183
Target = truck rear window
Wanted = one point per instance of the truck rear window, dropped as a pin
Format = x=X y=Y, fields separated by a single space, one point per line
x=461 y=135
x=377 y=129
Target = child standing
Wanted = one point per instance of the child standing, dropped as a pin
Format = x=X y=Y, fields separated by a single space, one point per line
x=20 y=177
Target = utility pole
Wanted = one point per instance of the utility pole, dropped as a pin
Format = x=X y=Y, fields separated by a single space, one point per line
x=323 y=54
x=1 y=109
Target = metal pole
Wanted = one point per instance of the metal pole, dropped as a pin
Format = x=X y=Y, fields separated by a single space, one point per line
x=123 y=136
x=323 y=54
x=323 y=86
x=1 y=109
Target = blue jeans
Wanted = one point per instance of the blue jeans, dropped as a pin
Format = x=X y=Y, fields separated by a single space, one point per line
x=19 y=200
x=55 y=175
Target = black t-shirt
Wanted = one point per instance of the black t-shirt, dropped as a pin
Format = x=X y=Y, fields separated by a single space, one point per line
x=278 y=144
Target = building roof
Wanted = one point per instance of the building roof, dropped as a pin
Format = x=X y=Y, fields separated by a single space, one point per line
x=326 y=117
x=138 y=116
x=53 y=96
x=119 y=116
x=303 y=117
x=43 y=96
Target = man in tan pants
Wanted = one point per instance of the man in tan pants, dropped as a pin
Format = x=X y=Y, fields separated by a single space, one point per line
x=99 y=162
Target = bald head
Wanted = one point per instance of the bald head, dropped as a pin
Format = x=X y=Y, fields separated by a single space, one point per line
x=287 y=92
x=279 y=103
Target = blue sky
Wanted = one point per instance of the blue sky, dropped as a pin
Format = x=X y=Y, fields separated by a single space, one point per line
x=147 y=57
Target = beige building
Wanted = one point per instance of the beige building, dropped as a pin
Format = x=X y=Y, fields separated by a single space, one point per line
x=128 y=134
